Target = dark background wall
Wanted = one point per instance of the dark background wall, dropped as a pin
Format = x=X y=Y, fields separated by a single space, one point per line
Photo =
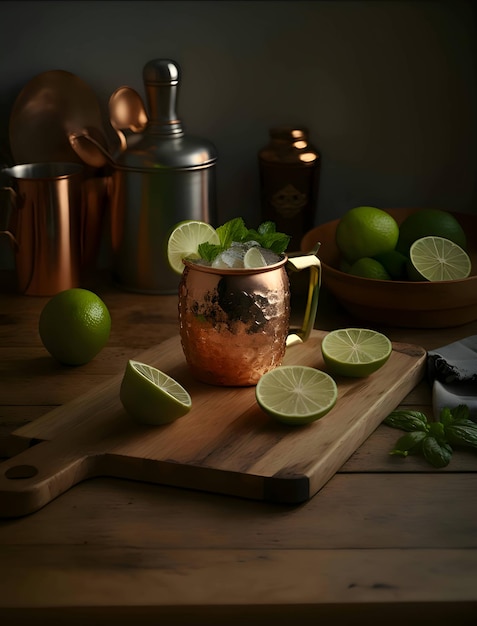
x=388 y=89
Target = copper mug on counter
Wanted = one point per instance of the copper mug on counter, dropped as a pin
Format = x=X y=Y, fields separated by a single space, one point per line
x=42 y=217
x=234 y=323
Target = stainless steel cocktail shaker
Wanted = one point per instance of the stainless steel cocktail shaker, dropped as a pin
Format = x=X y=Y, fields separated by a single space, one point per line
x=164 y=177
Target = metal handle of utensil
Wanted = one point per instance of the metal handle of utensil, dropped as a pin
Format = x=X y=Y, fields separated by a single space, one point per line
x=296 y=264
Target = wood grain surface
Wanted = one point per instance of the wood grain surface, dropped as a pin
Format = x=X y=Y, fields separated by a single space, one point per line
x=386 y=540
x=225 y=444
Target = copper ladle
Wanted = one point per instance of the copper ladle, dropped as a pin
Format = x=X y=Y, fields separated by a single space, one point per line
x=89 y=149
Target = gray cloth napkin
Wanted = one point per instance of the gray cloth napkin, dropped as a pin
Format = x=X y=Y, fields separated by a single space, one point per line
x=452 y=372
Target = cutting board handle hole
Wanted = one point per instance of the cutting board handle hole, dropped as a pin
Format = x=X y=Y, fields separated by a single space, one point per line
x=21 y=471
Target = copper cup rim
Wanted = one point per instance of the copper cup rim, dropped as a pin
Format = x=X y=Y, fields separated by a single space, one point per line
x=51 y=170
x=235 y=271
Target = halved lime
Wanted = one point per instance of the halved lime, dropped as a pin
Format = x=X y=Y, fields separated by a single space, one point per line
x=296 y=394
x=427 y=223
x=151 y=396
x=185 y=239
x=253 y=258
x=437 y=258
x=355 y=352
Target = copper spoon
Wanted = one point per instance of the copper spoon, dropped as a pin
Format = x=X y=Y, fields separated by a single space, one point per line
x=127 y=110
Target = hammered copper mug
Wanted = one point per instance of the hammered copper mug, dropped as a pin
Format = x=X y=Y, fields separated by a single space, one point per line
x=235 y=323
x=42 y=217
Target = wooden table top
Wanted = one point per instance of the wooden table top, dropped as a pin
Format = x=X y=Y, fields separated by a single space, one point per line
x=386 y=540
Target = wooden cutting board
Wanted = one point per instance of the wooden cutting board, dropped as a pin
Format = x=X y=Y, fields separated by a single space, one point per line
x=225 y=444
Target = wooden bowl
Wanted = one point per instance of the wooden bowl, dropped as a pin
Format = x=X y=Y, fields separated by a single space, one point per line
x=399 y=303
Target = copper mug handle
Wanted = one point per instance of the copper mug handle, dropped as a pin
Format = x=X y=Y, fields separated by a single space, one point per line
x=296 y=264
x=6 y=216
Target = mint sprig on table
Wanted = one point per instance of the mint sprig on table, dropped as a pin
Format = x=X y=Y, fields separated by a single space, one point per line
x=434 y=440
x=235 y=230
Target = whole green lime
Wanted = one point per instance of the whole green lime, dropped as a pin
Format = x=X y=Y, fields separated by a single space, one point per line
x=74 y=326
x=344 y=266
x=427 y=223
x=394 y=263
x=366 y=232
x=369 y=268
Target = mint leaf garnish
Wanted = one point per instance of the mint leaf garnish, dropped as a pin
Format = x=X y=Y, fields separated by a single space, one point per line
x=267 y=227
x=435 y=439
x=235 y=230
x=208 y=251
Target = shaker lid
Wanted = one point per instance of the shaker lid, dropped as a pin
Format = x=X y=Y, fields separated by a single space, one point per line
x=164 y=145
x=161 y=72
